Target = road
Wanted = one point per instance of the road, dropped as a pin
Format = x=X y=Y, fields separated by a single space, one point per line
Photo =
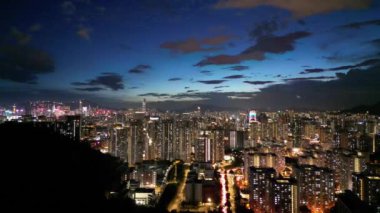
x=175 y=204
x=223 y=192
x=165 y=180
x=231 y=183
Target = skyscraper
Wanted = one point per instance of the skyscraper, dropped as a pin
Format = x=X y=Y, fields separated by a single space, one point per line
x=119 y=142
x=366 y=185
x=285 y=195
x=143 y=107
x=316 y=187
x=259 y=183
x=135 y=142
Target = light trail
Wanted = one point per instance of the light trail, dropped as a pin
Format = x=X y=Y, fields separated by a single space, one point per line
x=224 y=192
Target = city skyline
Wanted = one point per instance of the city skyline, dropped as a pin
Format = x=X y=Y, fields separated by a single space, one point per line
x=179 y=54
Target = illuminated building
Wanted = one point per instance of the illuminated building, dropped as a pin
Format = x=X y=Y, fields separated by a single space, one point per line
x=201 y=186
x=252 y=116
x=80 y=109
x=119 y=142
x=236 y=139
x=143 y=107
x=285 y=195
x=316 y=187
x=254 y=133
x=376 y=143
x=154 y=136
x=146 y=175
x=73 y=127
x=217 y=145
x=144 y=196
x=210 y=146
x=258 y=160
x=182 y=140
x=167 y=139
x=259 y=183
x=135 y=142
x=296 y=130
x=366 y=185
x=203 y=147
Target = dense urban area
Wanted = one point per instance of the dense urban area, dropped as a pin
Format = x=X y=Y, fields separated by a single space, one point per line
x=204 y=161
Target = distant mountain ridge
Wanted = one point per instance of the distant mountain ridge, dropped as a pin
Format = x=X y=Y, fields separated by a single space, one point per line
x=371 y=109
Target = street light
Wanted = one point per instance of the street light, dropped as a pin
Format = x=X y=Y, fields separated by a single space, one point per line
x=208 y=204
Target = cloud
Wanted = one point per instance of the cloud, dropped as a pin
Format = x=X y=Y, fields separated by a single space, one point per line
x=216 y=40
x=141 y=68
x=358 y=25
x=299 y=8
x=212 y=81
x=20 y=63
x=195 y=45
x=206 y=72
x=310 y=78
x=376 y=41
x=264 y=28
x=90 y=89
x=358 y=86
x=266 y=44
x=230 y=59
x=368 y=62
x=239 y=97
x=234 y=76
x=174 y=79
x=258 y=82
x=186 y=87
x=191 y=90
x=84 y=33
x=108 y=80
x=277 y=44
x=313 y=70
x=133 y=87
x=153 y=94
x=218 y=87
x=212 y=96
x=239 y=68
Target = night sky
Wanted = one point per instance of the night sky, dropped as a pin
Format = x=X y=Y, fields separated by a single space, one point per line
x=234 y=54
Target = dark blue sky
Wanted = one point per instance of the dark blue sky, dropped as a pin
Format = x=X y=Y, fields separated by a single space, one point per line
x=176 y=53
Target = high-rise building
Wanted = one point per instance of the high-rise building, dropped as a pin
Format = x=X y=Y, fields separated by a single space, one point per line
x=143 y=107
x=259 y=183
x=285 y=195
x=217 y=145
x=119 y=142
x=296 y=130
x=258 y=160
x=167 y=139
x=154 y=134
x=316 y=187
x=203 y=147
x=73 y=127
x=80 y=109
x=236 y=139
x=366 y=184
x=376 y=143
x=254 y=134
x=135 y=142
